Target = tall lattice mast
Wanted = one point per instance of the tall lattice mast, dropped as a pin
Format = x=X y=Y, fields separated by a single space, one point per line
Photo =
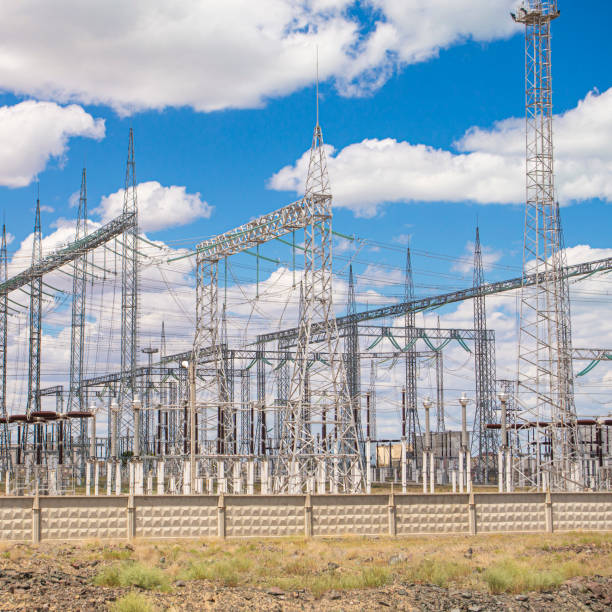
x=440 y=416
x=372 y=399
x=5 y=457
x=79 y=287
x=544 y=359
x=484 y=440
x=304 y=449
x=351 y=350
x=413 y=429
x=33 y=404
x=129 y=293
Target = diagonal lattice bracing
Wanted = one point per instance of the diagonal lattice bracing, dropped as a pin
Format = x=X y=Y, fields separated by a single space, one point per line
x=545 y=391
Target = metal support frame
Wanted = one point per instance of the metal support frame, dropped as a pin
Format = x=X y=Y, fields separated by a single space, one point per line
x=318 y=390
x=412 y=414
x=351 y=349
x=545 y=390
x=396 y=310
x=129 y=294
x=77 y=330
x=484 y=441
x=5 y=454
x=33 y=401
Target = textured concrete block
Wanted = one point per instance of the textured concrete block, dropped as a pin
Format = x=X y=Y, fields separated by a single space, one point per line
x=582 y=511
x=15 y=518
x=75 y=518
x=355 y=514
x=504 y=513
x=264 y=516
x=424 y=514
x=175 y=516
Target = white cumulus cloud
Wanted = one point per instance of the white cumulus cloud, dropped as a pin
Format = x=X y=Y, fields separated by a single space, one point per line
x=230 y=54
x=159 y=207
x=33 y=132
x=486 y=166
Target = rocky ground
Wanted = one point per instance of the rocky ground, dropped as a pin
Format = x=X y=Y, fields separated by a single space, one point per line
x=61 y=578
x=38 y=584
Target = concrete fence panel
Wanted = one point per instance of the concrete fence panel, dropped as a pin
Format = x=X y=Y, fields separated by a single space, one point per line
x=76 y=518
x=174 y=516
x=264 y=516
x=584 y=511
x=15 y=518
x=350 y=514
x=503 y=513
x=240 y=516
x=425 y=514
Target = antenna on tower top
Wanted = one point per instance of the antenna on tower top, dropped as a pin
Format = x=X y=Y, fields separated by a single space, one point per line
x=317 y=85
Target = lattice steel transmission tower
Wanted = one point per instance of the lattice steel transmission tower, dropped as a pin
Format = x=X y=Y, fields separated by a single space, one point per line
x=372 y=434
x=5 y=456
x=484 y=440
x=413 y=428
x=545 y=391
x=440 y=416
x=305 y=453
x=351 y=350
x=212 y=390
x=77 y=334
x=129 y=294
x=33 y=402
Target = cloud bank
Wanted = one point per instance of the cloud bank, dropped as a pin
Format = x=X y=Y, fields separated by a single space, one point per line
x=231 y=54
x=31 y=133
x=486 y=166
x=159 y=207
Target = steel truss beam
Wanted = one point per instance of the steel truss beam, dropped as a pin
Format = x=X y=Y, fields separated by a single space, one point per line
x=69 y=253
x=396 y=310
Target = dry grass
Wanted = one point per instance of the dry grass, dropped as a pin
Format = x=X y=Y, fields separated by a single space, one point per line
x=133 y=602
x=496 y=563
x=133 y=574
x=511 y=576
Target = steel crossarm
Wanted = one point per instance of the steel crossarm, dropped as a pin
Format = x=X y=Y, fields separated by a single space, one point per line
x=273 y=225
x=51 y=390
x=591 y=354
x=396 y=310
x=70 y=252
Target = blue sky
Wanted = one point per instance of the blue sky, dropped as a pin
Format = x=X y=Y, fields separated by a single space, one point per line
x=472 y=75
x=228 y=155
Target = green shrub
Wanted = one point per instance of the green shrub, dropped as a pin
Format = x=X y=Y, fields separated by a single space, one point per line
x=133 y=574
x=512 y=577
x=438 y=572
x=226 y=571
x=133 y=602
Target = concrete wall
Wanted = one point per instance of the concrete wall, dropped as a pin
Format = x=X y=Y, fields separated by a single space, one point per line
x=350 y=514
x=442 y=513
x=503 y=513
x=240 y=516
x=170 y=516
x=571 y=511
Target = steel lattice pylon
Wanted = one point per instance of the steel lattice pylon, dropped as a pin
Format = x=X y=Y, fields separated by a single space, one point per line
x=545 y=392
x=372 y=434
x=212 y=390
x=484 y=440
x=440 y=415
x=5 y=455
x=413 y=428
x=33 y=404
x=129 y=294
x=351 y=349
x=77 y=336
x=318 y=391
